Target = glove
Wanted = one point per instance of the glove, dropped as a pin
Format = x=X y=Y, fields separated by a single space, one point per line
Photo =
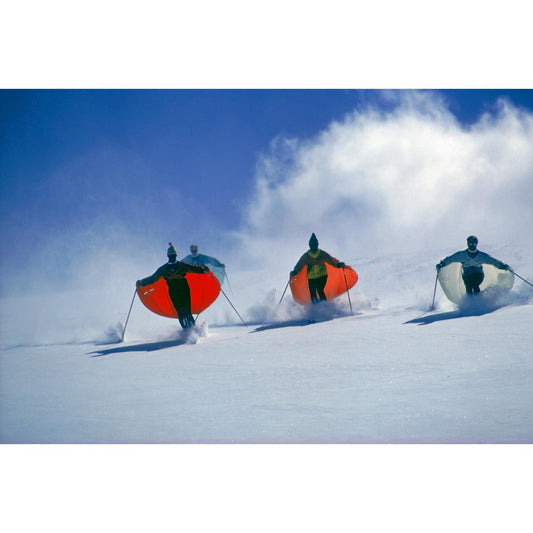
x=292 y=273
x=504 y=267
x=340 y=265
x=138 y=283
x=205 y=269
x=439 y=266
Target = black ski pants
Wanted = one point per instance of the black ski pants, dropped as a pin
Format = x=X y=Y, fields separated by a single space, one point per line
x=180 y=295
x=472 y=282
x=316 y=289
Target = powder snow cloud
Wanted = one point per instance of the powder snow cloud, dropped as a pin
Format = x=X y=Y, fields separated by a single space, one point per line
x=397 y=180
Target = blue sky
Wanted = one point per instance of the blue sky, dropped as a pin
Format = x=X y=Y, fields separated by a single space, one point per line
x=86 y=169
x=203 y=144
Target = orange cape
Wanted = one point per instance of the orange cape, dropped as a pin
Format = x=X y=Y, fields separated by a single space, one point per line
x=336 y=284
x=205 y=289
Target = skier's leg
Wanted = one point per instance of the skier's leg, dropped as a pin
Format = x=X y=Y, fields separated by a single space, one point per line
x=186 y=303
x=183 y=320
x=313 y=290
x=477 y=279
x=320 y=284
x=180 y=295
x=468 y=285
x=192 y=322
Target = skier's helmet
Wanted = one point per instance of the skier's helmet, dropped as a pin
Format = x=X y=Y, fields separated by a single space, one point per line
x=472 y=242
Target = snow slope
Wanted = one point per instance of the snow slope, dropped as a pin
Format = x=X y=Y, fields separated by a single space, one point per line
x=370 y=378
x=390 y=373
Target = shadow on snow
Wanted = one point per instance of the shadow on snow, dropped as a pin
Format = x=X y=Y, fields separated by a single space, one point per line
x=299 y=322
x=145 y=347
x=462 y=312
x=287 y=324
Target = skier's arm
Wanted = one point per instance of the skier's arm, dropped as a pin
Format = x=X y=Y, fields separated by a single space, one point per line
x=213 y=260
x=332 y=260
x=150 y=279
x=487 y=259
x=456 y=257
x=193 y=268
x=299 y=265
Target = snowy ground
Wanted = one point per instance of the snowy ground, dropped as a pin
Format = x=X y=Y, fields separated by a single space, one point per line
x=368 y=378
x=389 y=373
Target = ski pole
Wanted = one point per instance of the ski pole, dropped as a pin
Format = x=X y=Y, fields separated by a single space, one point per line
x=128 y=317
x=226 y=296
x=227 y=279
x=524 y=280
x=284 y=291
x=434 y=292
x=245 y=324
x=347 y=290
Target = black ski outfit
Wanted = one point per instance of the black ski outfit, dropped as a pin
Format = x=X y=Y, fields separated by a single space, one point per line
x=178 y=287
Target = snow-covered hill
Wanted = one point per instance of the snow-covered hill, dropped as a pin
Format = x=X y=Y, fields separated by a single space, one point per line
x=389 y=373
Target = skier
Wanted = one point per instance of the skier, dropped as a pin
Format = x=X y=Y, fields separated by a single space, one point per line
x=472 y=260
x=317 y=274
x=178 y=288
x=200 y=259
x=216 y=267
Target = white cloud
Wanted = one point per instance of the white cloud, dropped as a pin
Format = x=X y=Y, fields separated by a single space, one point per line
x=379 y=182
